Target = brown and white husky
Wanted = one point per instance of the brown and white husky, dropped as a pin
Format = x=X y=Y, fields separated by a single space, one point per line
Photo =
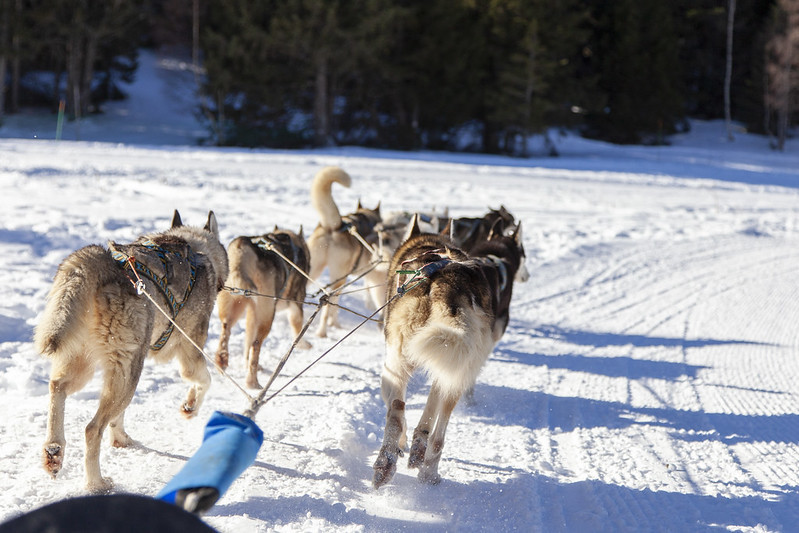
x=259 y=264
x=343 y=244
x=453 y=309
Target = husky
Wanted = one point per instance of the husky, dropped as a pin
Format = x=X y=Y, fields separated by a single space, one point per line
x=95 y=319
x=466 y=232
x=452 y=310
x=343 y=244
x=273 y=266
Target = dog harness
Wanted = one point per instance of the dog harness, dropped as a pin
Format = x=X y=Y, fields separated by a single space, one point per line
x=424 y=273
x=503 y=271
x=129 y=262
x=361 y=222
x=434 y=265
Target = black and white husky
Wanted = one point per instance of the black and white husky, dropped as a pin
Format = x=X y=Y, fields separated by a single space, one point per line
x=453 y=310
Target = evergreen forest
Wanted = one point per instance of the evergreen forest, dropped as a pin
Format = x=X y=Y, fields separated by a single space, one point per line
x=473 y=75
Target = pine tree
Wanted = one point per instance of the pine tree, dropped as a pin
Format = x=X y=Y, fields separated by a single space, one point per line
x=639 y=73
x=782 y=61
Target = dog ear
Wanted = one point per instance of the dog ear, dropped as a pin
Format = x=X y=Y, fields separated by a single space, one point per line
x=377 y=209
x=212 y=226
x=300 y=233
x=413 y=228
x=275 y=230
x=360 y=206
x=447 y=230
x=176 y=221
x=517 y=233
x=506 y=215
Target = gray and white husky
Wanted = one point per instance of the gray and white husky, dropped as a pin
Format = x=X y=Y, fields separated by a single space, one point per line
x=95 y=319
x=453 y=309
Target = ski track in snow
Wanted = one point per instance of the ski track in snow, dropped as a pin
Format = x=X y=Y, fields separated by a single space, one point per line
x=647 y=380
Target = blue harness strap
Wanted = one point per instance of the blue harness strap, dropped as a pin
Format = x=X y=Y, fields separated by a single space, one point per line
x=161 y=281
x=230 y=445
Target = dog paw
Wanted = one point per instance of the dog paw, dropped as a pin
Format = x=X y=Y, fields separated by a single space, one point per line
x=121 y=441
x=103 y=485
x=304 y=345
x=252 y=383
x=188 y=410
x=53 y=456
x=222 y=359
x=416 y=456
x=429 y=477
x=385 y=466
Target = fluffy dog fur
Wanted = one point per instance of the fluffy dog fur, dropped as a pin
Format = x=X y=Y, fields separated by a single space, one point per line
x=94 y=319
x=255 y=266
x=445 y=325
x=333 y=246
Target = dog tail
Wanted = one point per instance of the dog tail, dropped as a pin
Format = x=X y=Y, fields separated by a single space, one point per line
x=70 y=299
x=322 y=196
x=452 y=348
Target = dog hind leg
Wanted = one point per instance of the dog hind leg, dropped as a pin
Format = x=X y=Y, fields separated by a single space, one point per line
x=259 y=324
x=295 y=316
x=193 y=370
x=68 y=375
x=231 y=309
x=422 y=431
x=119 y=437
x=428 y=470
x=394 y=383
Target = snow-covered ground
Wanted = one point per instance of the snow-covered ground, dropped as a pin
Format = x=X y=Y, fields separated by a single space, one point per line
x=648 y=381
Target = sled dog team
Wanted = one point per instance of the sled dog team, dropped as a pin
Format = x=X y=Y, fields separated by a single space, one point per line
x=445 y=287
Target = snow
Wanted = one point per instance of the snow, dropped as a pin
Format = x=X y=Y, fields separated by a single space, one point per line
x=648 y=380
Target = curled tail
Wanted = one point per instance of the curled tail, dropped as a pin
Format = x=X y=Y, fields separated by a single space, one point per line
x=322 y=196
x=70 y=298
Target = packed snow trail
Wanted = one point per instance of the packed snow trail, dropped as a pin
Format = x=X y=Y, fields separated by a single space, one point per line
x=647 y=380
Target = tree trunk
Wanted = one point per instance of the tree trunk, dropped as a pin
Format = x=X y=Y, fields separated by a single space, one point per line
x=87 y=72
x=195 y=41
x=3 y=59
x=3 y=62
x=728 y=71
x=321 y=122
x=784 y=110
x=74 y=52
x=16 y=59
